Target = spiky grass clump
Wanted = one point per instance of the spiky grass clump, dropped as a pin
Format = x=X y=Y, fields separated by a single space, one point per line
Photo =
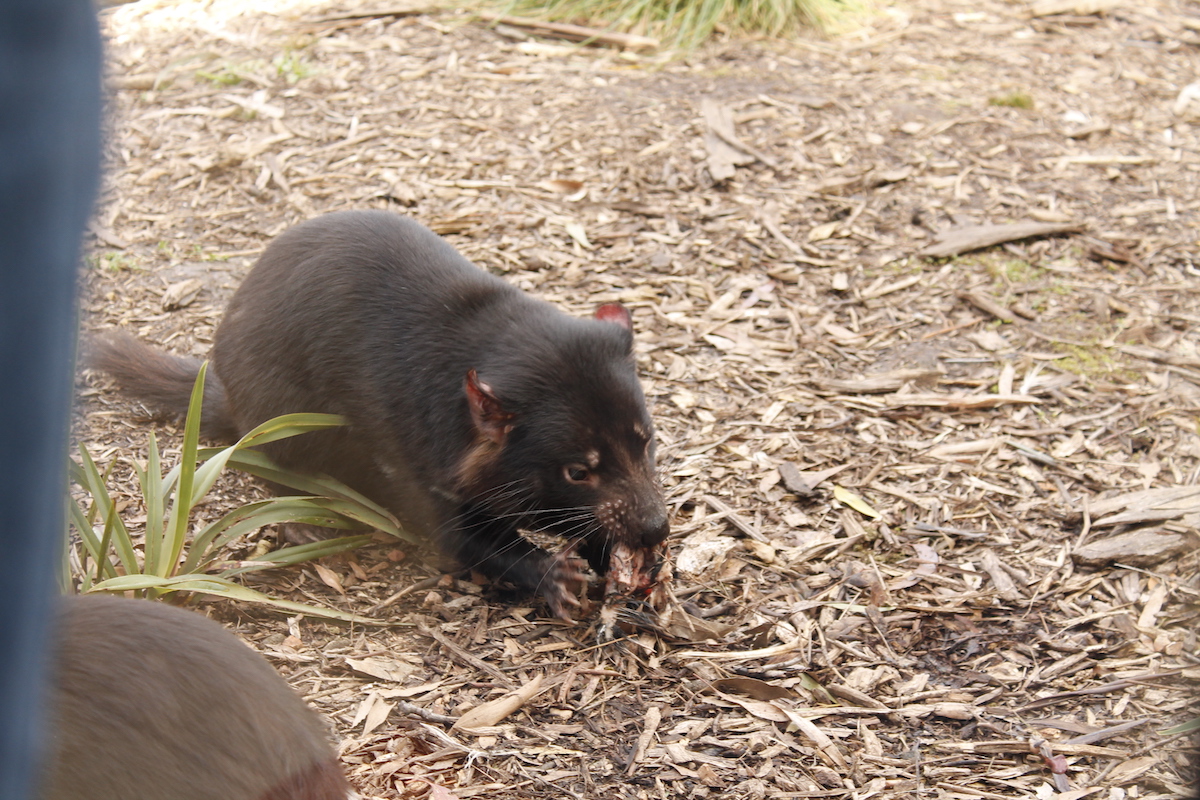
x=172 y=555
x=685 y=24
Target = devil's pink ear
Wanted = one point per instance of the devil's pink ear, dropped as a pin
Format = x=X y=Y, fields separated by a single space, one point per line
x=616 y=313
x=489 y=416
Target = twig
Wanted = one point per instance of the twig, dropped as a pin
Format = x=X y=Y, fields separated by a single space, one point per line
x=414 y=710
x=735 y=519
x=465 y=657
x=575 y=33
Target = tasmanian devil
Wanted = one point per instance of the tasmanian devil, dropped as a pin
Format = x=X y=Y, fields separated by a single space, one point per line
x=156 y=703
x=474 y=410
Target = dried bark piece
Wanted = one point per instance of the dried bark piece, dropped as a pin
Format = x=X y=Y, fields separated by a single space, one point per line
x=182 y=294
x=652 y=719
x=1148 y=505
x=976 y=447
x=699 y=554
x=927 y=564
x=725 y=150
x=1136 y=548
x=976 y=237
x=805 y=482
x=882 y=382
x=741 y=655
x=1131 y=770
x=959 y=402
x=1006 y=588
x=492 y=712
x=829 y=752
x=1158 y=356
x=684 y=627
x=985 y=303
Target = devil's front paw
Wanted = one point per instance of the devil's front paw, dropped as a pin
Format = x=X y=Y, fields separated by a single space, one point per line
x=562 y=583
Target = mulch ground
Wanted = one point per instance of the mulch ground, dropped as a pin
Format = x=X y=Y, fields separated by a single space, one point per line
x=935 y=517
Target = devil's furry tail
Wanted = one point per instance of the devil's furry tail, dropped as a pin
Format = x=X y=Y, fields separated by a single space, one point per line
x=161 y=381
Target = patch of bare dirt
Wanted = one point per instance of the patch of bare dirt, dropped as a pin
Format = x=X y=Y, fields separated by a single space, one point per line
x=935 y=520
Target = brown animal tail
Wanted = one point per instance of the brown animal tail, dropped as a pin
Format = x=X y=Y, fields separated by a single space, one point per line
x=162 y=381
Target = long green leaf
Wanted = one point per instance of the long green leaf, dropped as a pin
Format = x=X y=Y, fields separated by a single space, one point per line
x=109 y=527
x=260 y=466
x=287 y=425
x=181 y=508
x=87 y=535
x=299 y=554
x=218 y=534
x=153 y=497
x=219 y=587
x=281 y=427
x=103 y=503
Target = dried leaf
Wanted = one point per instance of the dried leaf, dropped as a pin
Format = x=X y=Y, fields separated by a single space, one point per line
x=759 y=708
x=329 y=578
x=683 y=626
x=829 y=752
x=928 y=564
x=181 y=294
x=439 y=792
x=386 y=669
x=649 y=725
x=576 y=232
x=849 y=498
x=975 y=237
x=754 y=688
x=804 y=482
x=1129 y=771
x=562 y=186
x=723 y=153
x=824 y=231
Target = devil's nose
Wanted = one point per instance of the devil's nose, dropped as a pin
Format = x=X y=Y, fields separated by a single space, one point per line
x=656 y=530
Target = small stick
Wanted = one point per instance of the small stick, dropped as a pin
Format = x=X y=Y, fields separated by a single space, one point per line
x=985 y=303
x=465 y=657
x=575 y=33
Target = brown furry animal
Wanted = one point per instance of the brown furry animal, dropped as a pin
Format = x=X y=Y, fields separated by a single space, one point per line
x=151 y=702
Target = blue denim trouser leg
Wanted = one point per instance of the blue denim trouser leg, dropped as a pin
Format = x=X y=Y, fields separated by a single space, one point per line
x=49 y=164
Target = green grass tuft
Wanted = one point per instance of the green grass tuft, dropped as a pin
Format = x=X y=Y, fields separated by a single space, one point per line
x=1013 y=100
x=292 y=67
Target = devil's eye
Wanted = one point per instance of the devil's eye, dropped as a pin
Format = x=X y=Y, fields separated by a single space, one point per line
x=577 y=473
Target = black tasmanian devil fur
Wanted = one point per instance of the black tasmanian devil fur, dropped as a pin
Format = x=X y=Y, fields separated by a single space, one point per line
x=474 y=410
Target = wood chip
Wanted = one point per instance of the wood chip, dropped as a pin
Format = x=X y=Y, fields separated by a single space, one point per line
x=725 y=151
x=883 y=382
x=1143 y=548
x=492 y=712
x=976 y=237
